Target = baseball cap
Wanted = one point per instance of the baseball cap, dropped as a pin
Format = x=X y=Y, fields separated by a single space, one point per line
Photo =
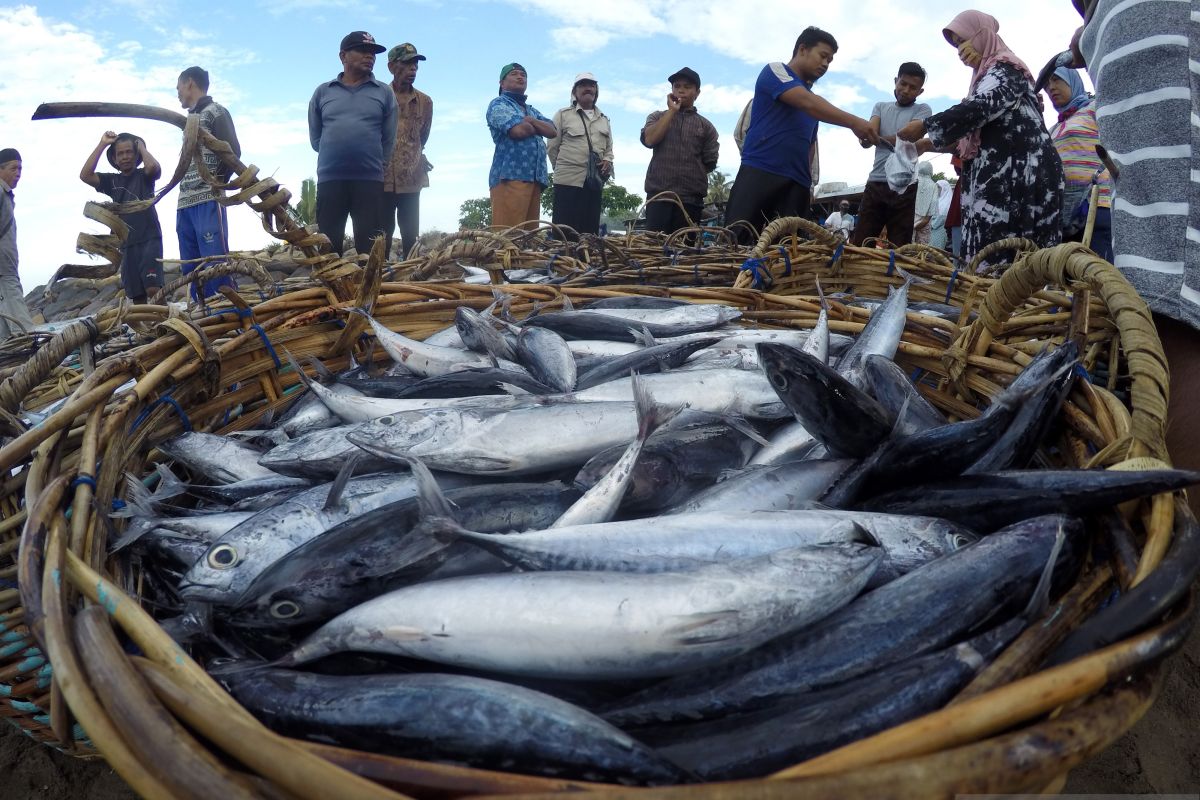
x=404 y=52
x=9 y=154
x=507 y=68
x=585 y=76
x=686 y=74
x=361 y=39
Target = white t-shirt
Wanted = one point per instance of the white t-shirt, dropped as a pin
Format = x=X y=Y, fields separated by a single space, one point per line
x=839 y=221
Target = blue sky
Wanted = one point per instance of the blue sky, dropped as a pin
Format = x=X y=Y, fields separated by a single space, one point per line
x=265 y=59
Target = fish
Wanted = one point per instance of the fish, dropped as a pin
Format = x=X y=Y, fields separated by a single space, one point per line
x=778 y=487
x=548 y=358
x=716 y=391
x=842 y=417
x=899 y=397
x=657 y=358
x=319 y=454
x=687 y=314
x=600 y=625
x=880 y=336
x=591 y=325
x=922 y=611
x=218 y=458
x=420 y=358
x=456 y=718
x=479 y=334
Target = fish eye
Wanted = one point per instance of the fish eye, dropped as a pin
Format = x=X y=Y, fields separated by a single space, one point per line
x=961 y=541
x=388 y=420
x=778 y=380
x=223 y=556
x=284 y=609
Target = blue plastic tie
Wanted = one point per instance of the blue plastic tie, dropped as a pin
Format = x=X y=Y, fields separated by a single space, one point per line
x=117 y=505
x=787 y=261
x=950 y=286
x=1083 y=373
x=267 y=342
x=755 y=267
x=550 y=265
x=891 y=262
x=84 y=480
x=165 y=400
x=837 y=254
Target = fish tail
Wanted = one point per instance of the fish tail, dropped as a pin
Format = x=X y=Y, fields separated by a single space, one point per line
x=651 y=415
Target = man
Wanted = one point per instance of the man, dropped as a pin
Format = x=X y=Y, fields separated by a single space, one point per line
x=584 y=139
x=408 y=171
x=200 y=222
x=519 y=172
x=142 y=250
x=881 y=207
x=775 y=179
x=352 y=126
x=841 y=222
x=14 y=314
x=685 y=150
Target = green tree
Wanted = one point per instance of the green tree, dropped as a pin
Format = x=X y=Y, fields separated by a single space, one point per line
x=548 y=198
x=617 y=200
x=305 y=211
x=475 y=213
x=718 y=187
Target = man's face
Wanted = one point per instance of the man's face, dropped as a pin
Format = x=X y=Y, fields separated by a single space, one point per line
x=184 y=89
x=357 y=60
x=844 y=208
x=814 y=61
x=908 y=89
x=10 y=173
x=585 y=93
x=125 y=156
x=686 y=92
x=515 y=81
x=405 y=72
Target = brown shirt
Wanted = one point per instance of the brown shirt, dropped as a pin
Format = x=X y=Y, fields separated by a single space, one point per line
x=683 y=159
x=408 y=171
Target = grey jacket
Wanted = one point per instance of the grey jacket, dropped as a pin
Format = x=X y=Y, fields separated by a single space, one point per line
x=8 y=231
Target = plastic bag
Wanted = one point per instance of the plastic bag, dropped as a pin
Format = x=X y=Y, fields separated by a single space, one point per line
x=901 y=166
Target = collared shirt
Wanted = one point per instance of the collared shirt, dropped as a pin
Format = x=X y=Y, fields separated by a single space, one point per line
x=780 y=135
x=8 y=230
x=408 y=171
x=683 y=159
x=352 y=128
x=215 y=119
x=569 y=150
x=515 y=159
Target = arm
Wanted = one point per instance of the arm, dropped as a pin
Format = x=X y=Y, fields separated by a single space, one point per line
x=88 y=173
x=712 y=148
x=314 y=122
x=554 y=144
x=426 y=123
x=222 y=128
x=825 y=111
x=995 y=95
x=606 y=157
x=149 y=162
x=874 y=123
x=541 y=125
x=388 y=132
x=655 y=130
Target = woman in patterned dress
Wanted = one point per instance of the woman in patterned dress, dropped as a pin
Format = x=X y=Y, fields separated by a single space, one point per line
x=1012 y=176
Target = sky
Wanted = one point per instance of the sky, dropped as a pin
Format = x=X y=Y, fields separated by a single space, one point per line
x=265 y=58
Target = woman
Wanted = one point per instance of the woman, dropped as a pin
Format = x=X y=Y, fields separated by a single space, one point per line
x=1075 y=137
x=926 y=205
x=583 y=133
x=937 y=235
x=1012 y=177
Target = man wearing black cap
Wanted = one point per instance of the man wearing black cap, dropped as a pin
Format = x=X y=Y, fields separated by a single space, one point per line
x=519 y=173
x=685 y=151
x=14 y=314
x=775 y=178
x=142 y=250
x=352 y=126
x=408 y=170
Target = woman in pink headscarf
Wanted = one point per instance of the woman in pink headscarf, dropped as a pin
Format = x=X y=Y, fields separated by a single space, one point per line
x=1012 y=177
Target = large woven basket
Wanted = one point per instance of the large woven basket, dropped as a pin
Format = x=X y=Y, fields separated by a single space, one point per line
x=170 y=731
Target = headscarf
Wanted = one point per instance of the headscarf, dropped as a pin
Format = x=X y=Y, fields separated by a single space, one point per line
x=927 y=197
x=981 y=30
x=945 y=195
x=1079 y=95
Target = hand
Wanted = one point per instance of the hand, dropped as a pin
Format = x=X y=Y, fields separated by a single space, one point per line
x=865 y=133
x=912 y=131
x=673 y=103
x=605 y=168
x=108 y=138
x=924 y=146
x=1079 y=62
x=530 y=120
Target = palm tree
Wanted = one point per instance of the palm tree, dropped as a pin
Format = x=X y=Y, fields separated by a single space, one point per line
x=718 y=188
x=305 y=211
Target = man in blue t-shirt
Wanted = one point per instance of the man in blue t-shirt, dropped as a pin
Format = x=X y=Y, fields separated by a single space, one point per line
x=775 y=179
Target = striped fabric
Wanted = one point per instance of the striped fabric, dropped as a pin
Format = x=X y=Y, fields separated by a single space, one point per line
x=1144 y=60
x=1075 y=139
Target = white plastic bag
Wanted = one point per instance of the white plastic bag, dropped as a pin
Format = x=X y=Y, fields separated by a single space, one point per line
x=901 y=166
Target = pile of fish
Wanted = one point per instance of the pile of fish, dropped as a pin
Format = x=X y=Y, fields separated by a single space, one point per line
x=635 y=542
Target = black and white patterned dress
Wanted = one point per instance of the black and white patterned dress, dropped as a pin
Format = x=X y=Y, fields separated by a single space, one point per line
x=1014 y=186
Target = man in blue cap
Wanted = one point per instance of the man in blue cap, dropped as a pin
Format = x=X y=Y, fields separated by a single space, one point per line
x=352 y=126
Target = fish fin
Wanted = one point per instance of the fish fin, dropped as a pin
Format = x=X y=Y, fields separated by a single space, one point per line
x=910 y=279
x=374 y=448
x=322 y=373
x=821 y=295
x=1039 y=602
x=651 y=416
x=307 y=381
x=743 y=426
x=338 y=487
x=430 y=500
x=860 y=535
x=706 y=627
x=139 y=502
x=567 y=305
x=643 y=337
